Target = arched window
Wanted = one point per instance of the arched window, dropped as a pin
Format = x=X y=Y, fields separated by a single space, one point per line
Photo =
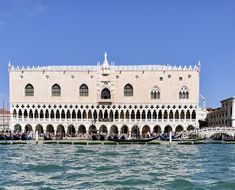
x=128 y=90
x=184 y=93
x=55 y=90
x=105 y=94
x=29 y=90
x=155 y=93
x=83 y=90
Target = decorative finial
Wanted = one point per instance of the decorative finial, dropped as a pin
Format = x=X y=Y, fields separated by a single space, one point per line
x=105 y=57
x=9 y=63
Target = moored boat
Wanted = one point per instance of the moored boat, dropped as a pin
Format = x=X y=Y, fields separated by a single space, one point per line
x=26 y=137
x=134 y=140
x=2 y=137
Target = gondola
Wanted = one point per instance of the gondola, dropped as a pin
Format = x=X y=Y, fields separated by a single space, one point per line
x=2 y=137
x=16 y=137
x=9 y=137
x=136 y=140
x=26 y=137
x=47 y=138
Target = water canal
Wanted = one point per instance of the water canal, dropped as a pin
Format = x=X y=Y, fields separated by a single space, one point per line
x=30 y=166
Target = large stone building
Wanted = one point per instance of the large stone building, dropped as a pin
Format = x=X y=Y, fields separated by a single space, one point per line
x=223 y=116
x=5 y=117
x=104 y=98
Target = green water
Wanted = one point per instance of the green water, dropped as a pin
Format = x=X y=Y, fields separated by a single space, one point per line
x=117 y=166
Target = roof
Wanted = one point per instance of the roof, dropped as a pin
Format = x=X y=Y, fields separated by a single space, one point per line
x=4 y=111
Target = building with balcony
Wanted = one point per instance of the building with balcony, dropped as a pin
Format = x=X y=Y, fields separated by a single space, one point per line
x=104 y=98
x=223 y=116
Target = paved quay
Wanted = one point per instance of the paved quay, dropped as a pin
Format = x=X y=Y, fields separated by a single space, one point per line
x=90 y=142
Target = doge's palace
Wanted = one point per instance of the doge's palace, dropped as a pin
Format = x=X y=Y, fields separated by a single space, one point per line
x=104 y=98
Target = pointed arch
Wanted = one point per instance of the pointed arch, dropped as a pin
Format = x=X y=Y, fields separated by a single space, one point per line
x=143 y=114
x=17 y=128
x=47 y=114
x=116 y=114
x=25 y=113
x=52 y=115
x=135 y=131
x=155 y=93
x=146 y=131
x=171 y=115
x=71 y=131
x=28 y=128
x=167 y=129
x=20 y=114
x=182 y=114
x=83 y=90
x=124 y=129
x=100 y=115
x=111 y=115
x=177 y=116
x=68 y=114
x=30 y=114
x=154 y=114
x=128 y=90
x=82 y=129
x=56 y=90
x=160 y=114
x=41 y=114
x=63 y=114
x=138 y=114
x=193 y=114
x=184 y=93
x=15 y=113
x=50 y=129
x=73 y=114
x=179 y=128
x=39 y=128
x=57 y=114
x=106 y=115
x=157 y=129
x=95 y=115
x=89 y=114
x=132 y=115
x=122 y=114
x=149 y=114
x=105 y=94
x=36 y=114
x=113 y=130
x=79 y=115
x=165 y=115
x=29 y=90
x=60 y=132
x=84 y=115
x=92 y=129
x=187 y=114
x=103 y=129
x=127 y=114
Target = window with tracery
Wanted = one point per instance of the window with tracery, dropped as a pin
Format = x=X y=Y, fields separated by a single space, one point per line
x=55 y=90
x=83 y=90
x=184 y=93
x=155 y=93
x=128 y=90
x=29 y=90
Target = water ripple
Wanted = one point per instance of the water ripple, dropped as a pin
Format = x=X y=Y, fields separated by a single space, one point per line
x=117 y=167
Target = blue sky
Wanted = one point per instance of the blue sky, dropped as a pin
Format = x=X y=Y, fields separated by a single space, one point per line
x=77 y=32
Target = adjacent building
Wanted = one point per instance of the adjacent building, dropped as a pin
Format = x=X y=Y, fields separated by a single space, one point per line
x=104 y=98
x=4 y=119
x=223 y=116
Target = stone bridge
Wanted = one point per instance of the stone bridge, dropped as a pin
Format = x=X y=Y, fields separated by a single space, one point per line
x=210 y=131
